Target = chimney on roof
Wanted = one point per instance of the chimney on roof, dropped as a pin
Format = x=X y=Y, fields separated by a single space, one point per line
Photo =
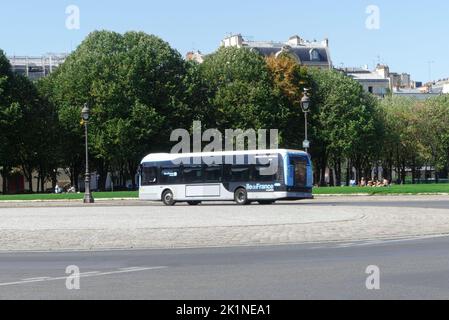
x=233 y=41
x=295 y=41
x=383 y=71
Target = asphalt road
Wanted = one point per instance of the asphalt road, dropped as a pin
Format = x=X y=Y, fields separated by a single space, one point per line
x=409 y=269
x=391 y=203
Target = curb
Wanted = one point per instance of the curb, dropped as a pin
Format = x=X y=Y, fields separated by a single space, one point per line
x=380 y=195
x=354 y=195
x=66 y=200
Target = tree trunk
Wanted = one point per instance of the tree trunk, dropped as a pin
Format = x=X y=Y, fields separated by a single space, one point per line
x=103 y=175
x=132 y=172
x=348 y=173
x=358 y=174
x=5 y=180
x=323 y=172
x=331 y=178
x=28 y=172
x=43 y=184
x=76 y=174
x=54 y=179
x=337 y=169
x=403 y=173
x=38 y=184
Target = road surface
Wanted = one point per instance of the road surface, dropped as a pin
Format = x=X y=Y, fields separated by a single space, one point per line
x=416 y=268
x=409 y=269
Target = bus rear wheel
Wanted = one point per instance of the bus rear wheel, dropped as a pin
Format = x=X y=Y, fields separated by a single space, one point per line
x=241 y=197
x=168 y=199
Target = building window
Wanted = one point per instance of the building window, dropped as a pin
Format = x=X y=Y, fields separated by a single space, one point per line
x=315 y=55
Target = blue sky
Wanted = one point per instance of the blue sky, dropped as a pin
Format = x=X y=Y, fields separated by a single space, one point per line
x=411 y=33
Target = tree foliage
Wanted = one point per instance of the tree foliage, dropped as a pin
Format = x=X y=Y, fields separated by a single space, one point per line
x=346 y=123
x=134 y=84
x=139 y=90
x=241 y=92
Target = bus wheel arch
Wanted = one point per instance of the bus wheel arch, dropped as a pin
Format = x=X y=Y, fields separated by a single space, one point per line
x=168 y=197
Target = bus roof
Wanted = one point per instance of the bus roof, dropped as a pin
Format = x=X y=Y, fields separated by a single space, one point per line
x=157 y=157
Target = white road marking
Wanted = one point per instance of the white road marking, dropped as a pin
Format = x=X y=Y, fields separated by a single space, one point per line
x=382 y=242
x=37 y=279
x=82 y=275
x=132 y=269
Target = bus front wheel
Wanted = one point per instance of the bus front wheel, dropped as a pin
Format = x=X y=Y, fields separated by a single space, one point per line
x=241 y=197
x=168 y=198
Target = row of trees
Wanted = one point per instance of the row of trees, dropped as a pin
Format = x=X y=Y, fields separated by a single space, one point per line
x=28 y=129
x=140 y=90
x=417 y=136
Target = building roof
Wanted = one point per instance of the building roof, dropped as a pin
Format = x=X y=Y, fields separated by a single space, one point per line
x=312 y=53
x=369 y=76
x=304 y=54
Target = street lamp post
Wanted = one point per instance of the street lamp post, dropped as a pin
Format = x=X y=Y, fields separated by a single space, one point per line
x=305 y=105
x=88 y=198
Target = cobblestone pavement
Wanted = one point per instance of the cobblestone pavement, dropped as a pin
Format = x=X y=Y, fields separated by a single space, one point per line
x=132 y=224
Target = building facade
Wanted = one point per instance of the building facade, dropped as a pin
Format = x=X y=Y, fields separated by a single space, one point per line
x=440 y=87
x=196 y=56
x=381 y=81
x=36 y=67
x=376 y=82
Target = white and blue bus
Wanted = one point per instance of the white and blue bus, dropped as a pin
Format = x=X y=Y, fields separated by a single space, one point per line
x=241 y=176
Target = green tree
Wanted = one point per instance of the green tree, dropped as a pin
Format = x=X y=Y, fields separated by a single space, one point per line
x=241 y=91
x=9 y=115
x=290 y=80
x=135 y=85
x=433 y=131
x=36 y=129
x=346 y=125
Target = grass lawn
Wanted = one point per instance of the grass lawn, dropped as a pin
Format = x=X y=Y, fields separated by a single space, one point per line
x=407 y=189
x=399 y=189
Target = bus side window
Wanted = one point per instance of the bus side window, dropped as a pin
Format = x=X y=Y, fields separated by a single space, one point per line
x=212 y=174
x=227 y=174
x=241 y=174
x=262 y=173
x=149 y=176
x=268 y=169
x=193 y=174
x=170 y=176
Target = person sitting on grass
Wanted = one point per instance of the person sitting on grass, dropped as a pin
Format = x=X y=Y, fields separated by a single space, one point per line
x=363 y=182
x=58 y=189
